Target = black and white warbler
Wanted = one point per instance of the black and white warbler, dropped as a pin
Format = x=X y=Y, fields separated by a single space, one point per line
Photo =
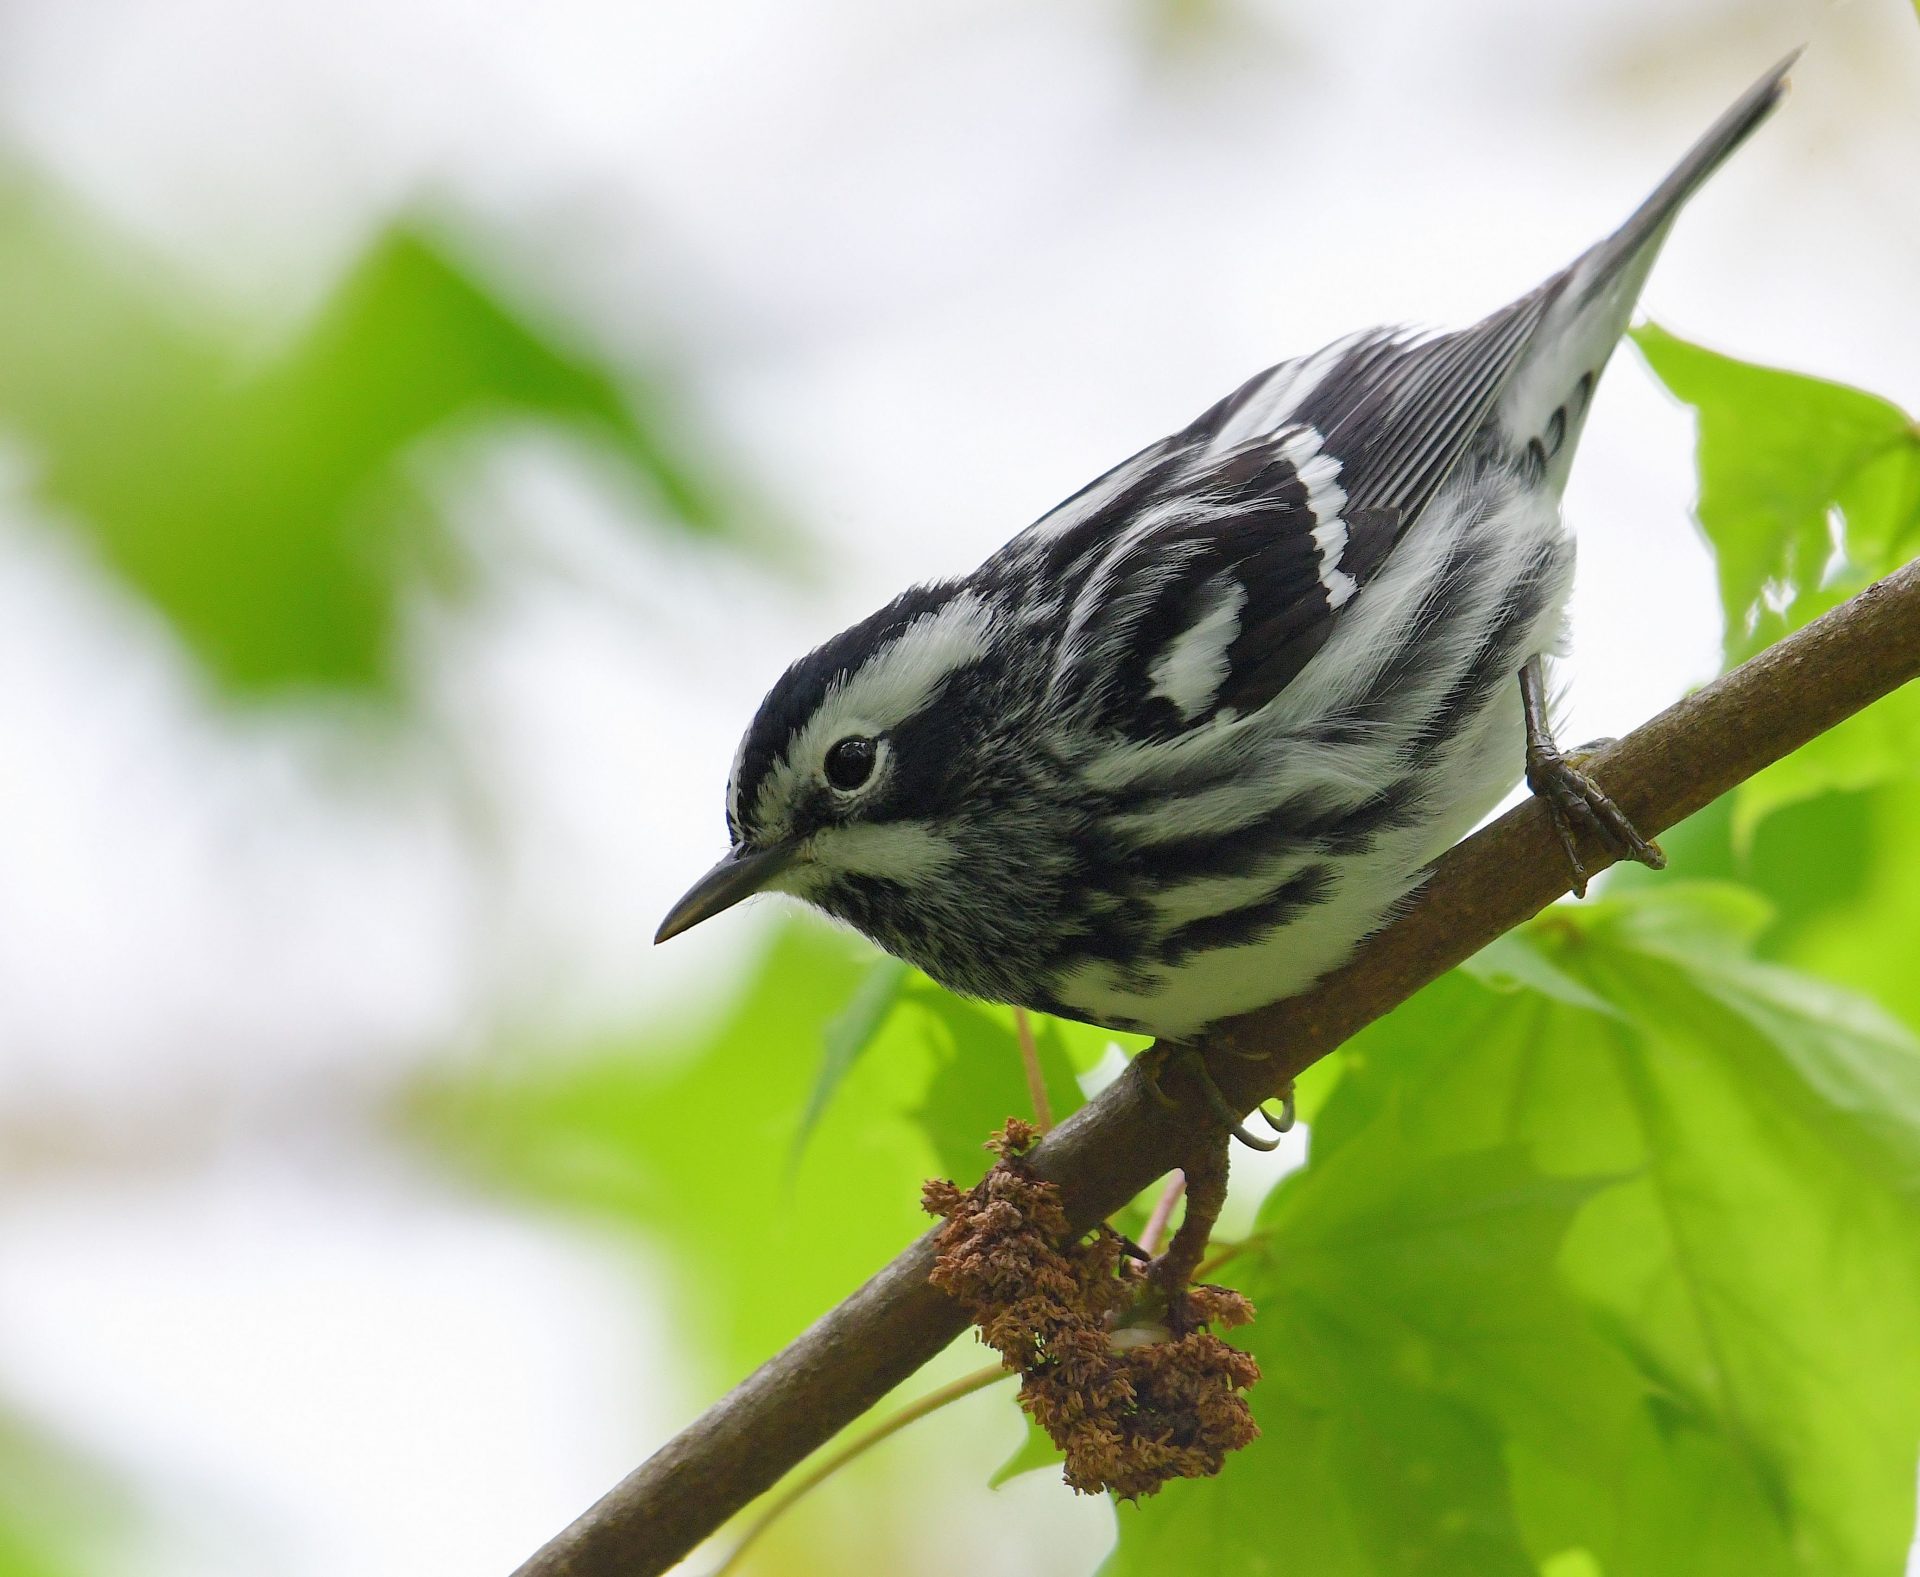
x=1174 y=750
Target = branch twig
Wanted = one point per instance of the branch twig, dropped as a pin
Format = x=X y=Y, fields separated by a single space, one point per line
x=1163 y=1208
x=1036 y=1079
x=1110 y=1149
x=886 y=1429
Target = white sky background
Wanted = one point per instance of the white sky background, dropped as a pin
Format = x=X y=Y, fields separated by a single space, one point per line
x=932 y=267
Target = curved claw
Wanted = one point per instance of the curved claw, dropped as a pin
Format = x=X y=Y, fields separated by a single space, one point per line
x=1569 y=846
x=1288 y=1116
x=1573 y=796
x=1250 y=1139
x=1229 y=1119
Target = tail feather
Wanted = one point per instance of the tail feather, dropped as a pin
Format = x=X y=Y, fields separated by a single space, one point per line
x=1590 y=309
x=1632 y=247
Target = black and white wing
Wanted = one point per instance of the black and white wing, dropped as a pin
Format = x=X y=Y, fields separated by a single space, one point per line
x=1209 y=568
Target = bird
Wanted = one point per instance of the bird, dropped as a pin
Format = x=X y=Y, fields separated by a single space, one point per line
x=1179 y=746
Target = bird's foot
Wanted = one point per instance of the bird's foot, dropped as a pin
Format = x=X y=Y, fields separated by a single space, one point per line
x=1158 y=1057
x=1574 y=799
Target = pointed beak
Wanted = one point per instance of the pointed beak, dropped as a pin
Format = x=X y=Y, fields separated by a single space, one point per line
x=740 y=874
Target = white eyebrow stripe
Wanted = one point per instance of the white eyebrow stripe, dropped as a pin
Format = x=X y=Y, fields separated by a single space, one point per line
x=902 y=676
x=893 y=684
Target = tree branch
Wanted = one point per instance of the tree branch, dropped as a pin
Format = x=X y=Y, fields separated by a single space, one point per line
x=1115 y=1146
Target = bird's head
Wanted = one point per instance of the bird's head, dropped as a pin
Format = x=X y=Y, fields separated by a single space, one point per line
x=851 y=789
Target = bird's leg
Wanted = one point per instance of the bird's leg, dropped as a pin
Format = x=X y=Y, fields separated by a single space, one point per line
x=1162 y=1054
x=1172 y=1272
x=1572 y=797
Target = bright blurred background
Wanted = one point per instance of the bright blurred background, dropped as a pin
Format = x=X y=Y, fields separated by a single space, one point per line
x=425 y=430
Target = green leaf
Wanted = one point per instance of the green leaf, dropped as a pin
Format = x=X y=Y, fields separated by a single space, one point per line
x=1517 y=962
x=1762 y=1109
x=673 y=1145
x=1838 y=1061
x=1405 y=1300
x=848 y=1033
x=979 y=1081
x=1809 y=490
x=1629 y=1287
x=272 y=508
x=1036 y=1451
x=680 y=1138
x=1838 y=871
x=1849 y=864
x=1787 y=464
x=678 y=1141
x=1767 y=1271
x=1870 y=748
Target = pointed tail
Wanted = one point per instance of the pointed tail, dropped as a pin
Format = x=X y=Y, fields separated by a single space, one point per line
x=1628 y=253
x=1590 y=304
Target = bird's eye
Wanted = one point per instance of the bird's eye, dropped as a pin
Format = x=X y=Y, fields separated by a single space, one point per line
x=850 y=762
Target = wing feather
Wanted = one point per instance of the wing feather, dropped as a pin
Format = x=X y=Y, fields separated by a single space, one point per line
x=1282 y=525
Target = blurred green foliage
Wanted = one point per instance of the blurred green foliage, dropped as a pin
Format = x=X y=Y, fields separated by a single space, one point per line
x=48 y=1495
x=271 y=507
x=278 y=508
x=713 y=1143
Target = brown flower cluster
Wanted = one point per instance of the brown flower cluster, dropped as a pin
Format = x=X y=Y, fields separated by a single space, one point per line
x=1124 y=1378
